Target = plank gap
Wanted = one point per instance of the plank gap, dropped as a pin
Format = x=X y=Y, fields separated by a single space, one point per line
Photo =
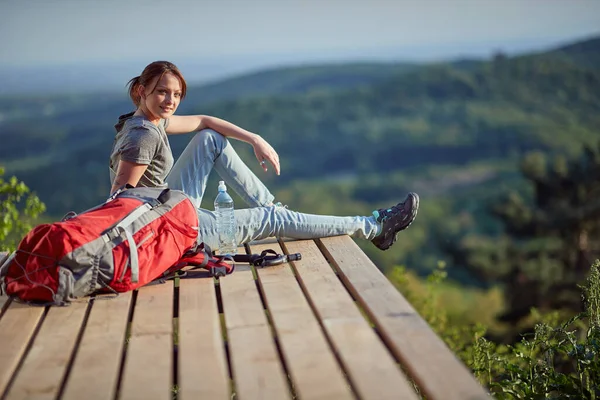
x=175 y=340
x=219 y=296
x=126 y=344
x=345 y=284
x=223 y=327
x=321 y=248
x=229 y=368
x=176 y=298
x=254 y=273
x=315 y=312
x=385 y=344
x=365 y=313
x=201 y=341
x=12 y=379
x=71 y=361
x=367 y=364
x=437 y=370
x=278 y=348
x=280 y=355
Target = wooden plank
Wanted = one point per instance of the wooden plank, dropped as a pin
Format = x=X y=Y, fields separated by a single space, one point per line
x=16 y=329
x=257 y=369
x=98 y=359
x=42 y=372
x=437 y=371
x=372 y=369
x=311 y=363
x=148 y=366
x=201 y=347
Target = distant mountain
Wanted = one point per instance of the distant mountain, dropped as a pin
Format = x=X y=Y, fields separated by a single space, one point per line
x=330 y=120
x=434 y=115
x=585 y=52
x=80 y=126
x=281 y=81
x=294 y=80
x=111 y=75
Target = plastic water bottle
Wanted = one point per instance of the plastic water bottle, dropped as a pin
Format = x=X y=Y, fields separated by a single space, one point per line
x=225 y=221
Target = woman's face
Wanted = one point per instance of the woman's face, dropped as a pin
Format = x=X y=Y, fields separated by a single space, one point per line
x=161 y=99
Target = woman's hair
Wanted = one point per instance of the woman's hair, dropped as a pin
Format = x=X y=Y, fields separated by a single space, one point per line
x=153 y=70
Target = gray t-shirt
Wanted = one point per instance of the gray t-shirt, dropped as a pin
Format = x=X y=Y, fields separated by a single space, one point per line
x=140 y=141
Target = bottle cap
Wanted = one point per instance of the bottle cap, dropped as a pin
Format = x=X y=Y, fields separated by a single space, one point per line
x=222 y=186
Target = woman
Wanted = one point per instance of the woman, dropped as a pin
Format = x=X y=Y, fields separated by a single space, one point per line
x=141 y=156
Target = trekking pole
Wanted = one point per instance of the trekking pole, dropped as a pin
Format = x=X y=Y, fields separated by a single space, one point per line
x=267 y=258
x=279 y=259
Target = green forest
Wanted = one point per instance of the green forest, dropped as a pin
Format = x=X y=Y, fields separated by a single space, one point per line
x=504 y=153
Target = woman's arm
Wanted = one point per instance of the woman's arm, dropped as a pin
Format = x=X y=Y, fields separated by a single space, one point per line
x=191 y=123
x=128 y=172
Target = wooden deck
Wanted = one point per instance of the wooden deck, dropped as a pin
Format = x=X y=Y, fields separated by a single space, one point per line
x=330 y=326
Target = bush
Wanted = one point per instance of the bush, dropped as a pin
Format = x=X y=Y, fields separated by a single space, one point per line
x=556 y=361
x=18 y=211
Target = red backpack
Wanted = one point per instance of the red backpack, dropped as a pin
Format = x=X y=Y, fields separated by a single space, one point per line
x=135 y=237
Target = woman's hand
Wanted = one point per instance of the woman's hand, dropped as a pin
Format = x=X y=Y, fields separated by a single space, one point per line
x=265 y=153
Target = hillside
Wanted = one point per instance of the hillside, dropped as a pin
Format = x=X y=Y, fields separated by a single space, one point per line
x=585 y=53
x=295 y=80
x=435 y=115
x=282 y=81
x=344 y=119
x=351 y=138
x=72 y=124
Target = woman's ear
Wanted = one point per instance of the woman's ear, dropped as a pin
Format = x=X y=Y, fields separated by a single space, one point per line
x=141 y=91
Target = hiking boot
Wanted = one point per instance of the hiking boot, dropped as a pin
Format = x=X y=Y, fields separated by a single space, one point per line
x=394 y=220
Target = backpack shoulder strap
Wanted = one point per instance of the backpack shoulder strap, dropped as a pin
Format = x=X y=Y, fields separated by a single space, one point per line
x=121 y=228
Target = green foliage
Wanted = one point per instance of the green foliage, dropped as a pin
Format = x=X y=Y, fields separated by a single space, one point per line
x=435 y=115
x=432 y=298
x=591 y=295
x=550 y=235
x=556 y=361
x=301 y=79
x=584 y=52
x=367 y=119
x=18 y=210
x=352 y=138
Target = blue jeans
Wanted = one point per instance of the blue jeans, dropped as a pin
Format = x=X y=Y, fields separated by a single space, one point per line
x=209 y=149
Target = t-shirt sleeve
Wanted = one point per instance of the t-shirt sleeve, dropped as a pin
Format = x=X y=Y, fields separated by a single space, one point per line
x=139 y=146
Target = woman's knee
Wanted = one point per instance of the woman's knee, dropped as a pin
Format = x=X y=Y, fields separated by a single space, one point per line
x=210 y=142
x=210 y=136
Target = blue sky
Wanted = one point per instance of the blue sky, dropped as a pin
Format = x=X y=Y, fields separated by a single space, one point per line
x=40 y=32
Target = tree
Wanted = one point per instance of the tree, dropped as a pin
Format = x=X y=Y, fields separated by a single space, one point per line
x=18 y=211
x=550 y=239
